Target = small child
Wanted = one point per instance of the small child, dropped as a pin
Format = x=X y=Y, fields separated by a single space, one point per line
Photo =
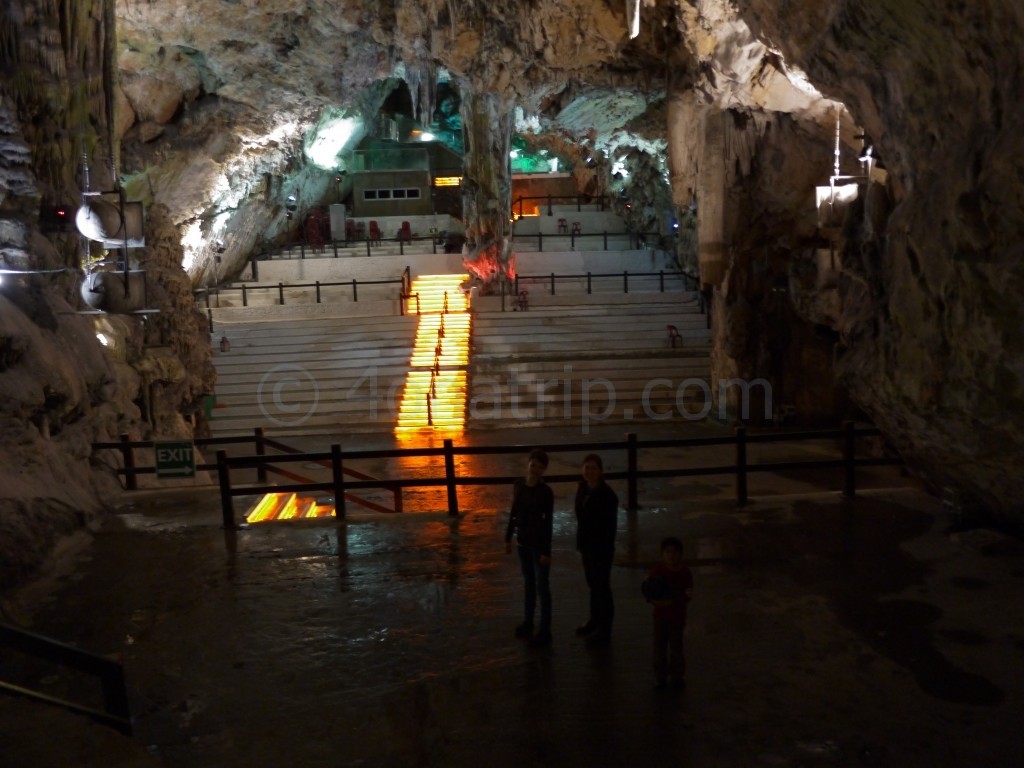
x=668 y=587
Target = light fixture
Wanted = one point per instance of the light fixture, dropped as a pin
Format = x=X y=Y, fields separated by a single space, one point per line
x=425 y=136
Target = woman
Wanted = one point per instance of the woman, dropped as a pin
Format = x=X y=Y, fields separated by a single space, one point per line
x=597 y=508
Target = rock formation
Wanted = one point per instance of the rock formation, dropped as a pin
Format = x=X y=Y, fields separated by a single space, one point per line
x=217 y=116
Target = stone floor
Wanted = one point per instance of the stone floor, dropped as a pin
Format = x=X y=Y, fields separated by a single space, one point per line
x=823 y=632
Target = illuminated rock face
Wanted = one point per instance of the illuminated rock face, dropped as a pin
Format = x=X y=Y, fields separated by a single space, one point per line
x=916 y=311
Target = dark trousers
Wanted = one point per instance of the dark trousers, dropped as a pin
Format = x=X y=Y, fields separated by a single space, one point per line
x=536 y=582
x=668 y=648
x=597 y=567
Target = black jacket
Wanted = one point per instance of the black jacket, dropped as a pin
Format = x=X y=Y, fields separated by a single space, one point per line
x=597 y=512
x=533 y=510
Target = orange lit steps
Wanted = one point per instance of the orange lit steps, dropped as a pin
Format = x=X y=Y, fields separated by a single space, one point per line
x=435 y=389
x=287 y=506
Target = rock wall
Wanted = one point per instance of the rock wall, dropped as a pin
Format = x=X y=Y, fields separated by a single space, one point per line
x=932 y=334
x=68 y=379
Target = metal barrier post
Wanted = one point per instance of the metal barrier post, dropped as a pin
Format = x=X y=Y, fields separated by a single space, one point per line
x=317 y=291
x=280 y=292
x=355 y=290
x=631 y=469
x=588 y=280
x=227 y=507
x=449 y=475
x=625 y=282
x=261 y=450
x=338 y=478
x=850 y=486
x=661 y=280
x=245 y=297
x=552 y=283
x=131 y=483
x=741 y=465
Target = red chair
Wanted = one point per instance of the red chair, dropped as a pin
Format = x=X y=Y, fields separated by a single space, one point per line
x=576 y=228
x=350 y=231
x=374 y=233
x=406 y=232
x=674 y=339
x=563 y=228
x=522 y=302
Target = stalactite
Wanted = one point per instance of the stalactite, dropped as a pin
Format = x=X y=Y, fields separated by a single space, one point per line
x=633 y=17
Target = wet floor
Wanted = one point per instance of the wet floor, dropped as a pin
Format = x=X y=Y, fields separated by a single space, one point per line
x=823 y=632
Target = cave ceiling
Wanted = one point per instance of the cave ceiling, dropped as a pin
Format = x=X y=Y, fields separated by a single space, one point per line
x=242 y=81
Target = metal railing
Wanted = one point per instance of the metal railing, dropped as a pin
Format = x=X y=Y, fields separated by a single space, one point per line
x=689 y=283
x=741 y=468
x=130 y=469
x=115 y=712
x=637 y=240
x=603 y=203
x=304 y=250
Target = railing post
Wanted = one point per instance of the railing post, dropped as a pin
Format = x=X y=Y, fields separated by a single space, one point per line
x=588 y=282
x=606 y=239
x=338 y=478
x=368 y=247
x=334 y=246
x=255 y=270
x=625 y=282
x=227 y=507
x=317 y=291
x=661 y=280
x=850 y=486
x=449 y=476
x=550 y=210
x=261 y=450
x=245 y=296
x=430 y=414
x=355 y=290
x=131 y=483
x=741 y=465
x=115 y=694
x=209 y=318
x=552 y=283
x=280 y=292
x=540 y=242
x=631 y=469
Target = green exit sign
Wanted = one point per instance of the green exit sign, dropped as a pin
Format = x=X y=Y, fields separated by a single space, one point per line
x=175 y=459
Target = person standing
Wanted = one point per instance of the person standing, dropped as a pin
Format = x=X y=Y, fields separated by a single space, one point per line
x=597 y=509
x=530 y=519
x=668 y=588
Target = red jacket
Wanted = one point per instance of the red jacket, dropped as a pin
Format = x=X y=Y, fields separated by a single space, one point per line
x=680 y=585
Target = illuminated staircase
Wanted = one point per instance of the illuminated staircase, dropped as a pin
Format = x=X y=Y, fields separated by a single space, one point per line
x=434 y=398
x=288 y=506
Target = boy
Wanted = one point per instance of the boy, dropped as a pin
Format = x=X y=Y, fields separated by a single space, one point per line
x=668 y=587
x=533 y=507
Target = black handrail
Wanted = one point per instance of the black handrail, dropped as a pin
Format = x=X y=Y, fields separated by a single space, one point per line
x=636 y=239
x=689 y=281
x=740 y=468
x=601 y=201
x=280 y=287
x=307 y=251
x=116 y=712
